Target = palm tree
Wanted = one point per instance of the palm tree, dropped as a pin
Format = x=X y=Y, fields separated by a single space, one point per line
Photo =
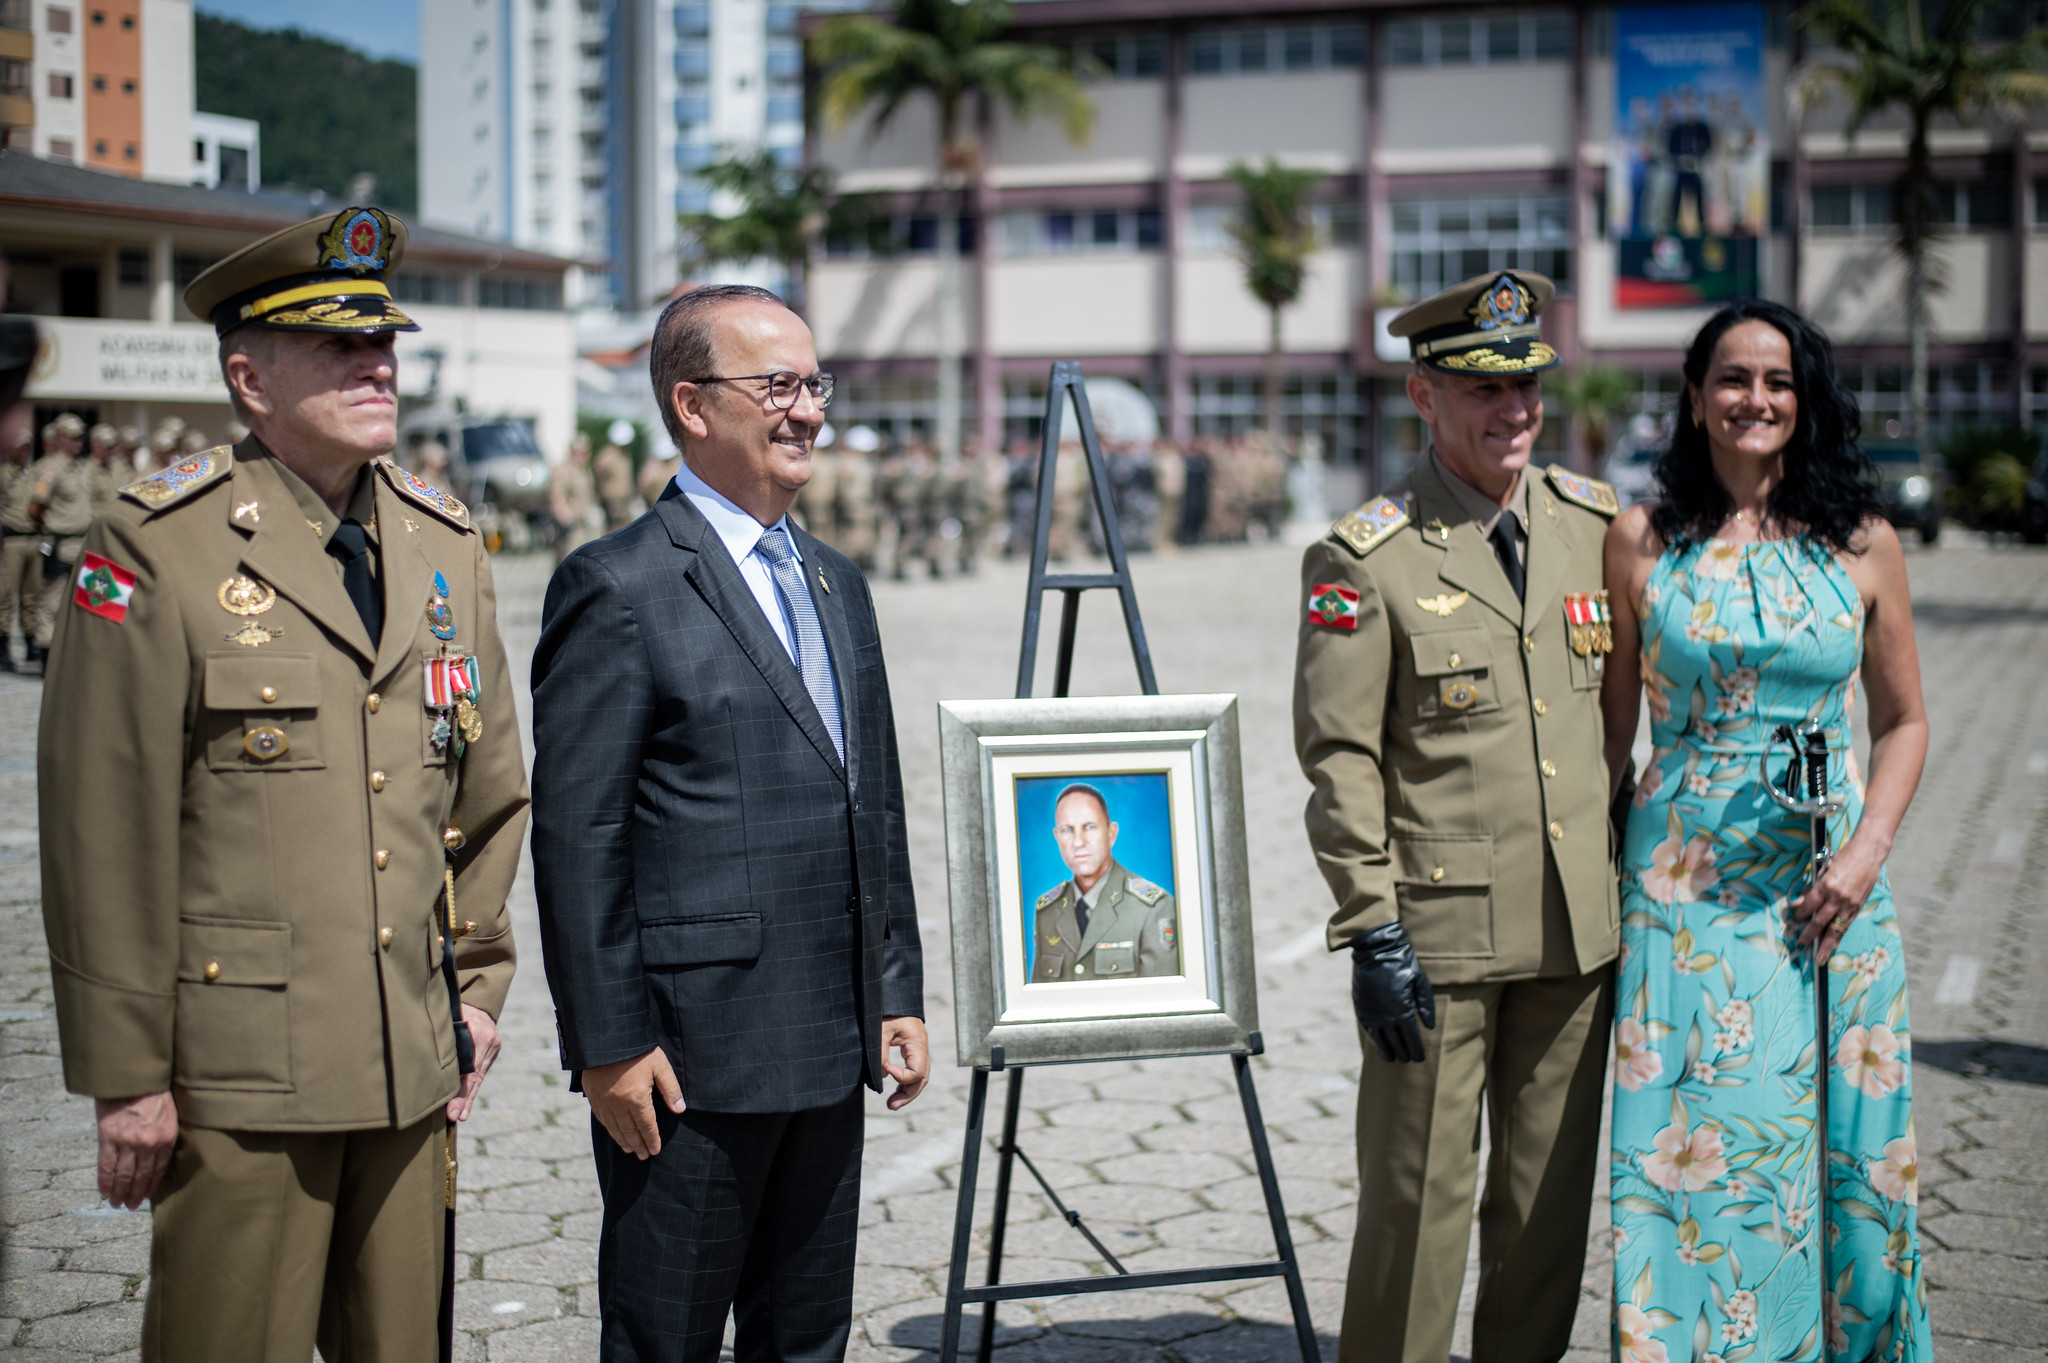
x=782 y=214
x=1893 y=61
x=950 y=51
x=1275 y=238
x=1593 y=395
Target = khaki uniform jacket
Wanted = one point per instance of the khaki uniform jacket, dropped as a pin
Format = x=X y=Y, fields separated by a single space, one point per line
x=1134 y=929
x=64 y=485
x=20 y=493
x=262 y=936
x=1454 y=739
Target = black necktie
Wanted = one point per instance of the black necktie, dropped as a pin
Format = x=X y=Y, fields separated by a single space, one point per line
x=1504 y=549
x=351 y=544
x=1080 y=911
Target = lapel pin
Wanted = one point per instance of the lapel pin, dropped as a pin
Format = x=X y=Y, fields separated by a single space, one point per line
x=823 y=583
x=1443 y=532
x=248 y=509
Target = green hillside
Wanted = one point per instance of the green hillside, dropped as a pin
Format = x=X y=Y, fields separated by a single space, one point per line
x=328 y=112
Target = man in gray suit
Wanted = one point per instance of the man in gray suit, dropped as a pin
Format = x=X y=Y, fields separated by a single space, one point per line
x=718 y=847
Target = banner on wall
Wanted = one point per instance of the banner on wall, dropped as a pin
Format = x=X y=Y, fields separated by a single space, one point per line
x=1688 y=184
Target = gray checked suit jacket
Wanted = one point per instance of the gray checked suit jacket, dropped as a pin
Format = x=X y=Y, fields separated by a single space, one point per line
x=711 y=878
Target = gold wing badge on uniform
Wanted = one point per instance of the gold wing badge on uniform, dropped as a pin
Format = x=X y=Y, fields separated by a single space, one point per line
x=1441 y=605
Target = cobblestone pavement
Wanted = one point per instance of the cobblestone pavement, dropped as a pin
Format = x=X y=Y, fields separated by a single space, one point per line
x=1155 y=1154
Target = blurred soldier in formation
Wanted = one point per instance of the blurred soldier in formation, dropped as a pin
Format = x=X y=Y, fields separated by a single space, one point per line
x=1069 y=500
x=430 y=461
x=194 y=442
x=656 y=475
x=817 y=504
x=1194 y=501
x=572 y=500
x=899 y=496
x=859 y=527
x=134 y=445
x=1229 y=492
x=107 y=473
x=1169 y=483
x=613 y=470
x=163 y=444
x=1020 y=497
x=21 y=578
x=62 y=505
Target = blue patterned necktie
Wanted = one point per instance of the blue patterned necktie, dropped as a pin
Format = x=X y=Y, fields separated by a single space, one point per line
x=811 y=658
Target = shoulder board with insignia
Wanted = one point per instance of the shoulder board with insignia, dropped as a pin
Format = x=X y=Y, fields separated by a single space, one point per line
x=417 y=489
x=181 y=479
x=1046 y=900
x=1372 y=524
x=1145 y=890
x=1590 y=493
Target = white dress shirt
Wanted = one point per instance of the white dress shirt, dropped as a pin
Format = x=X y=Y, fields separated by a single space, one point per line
x=740 y=532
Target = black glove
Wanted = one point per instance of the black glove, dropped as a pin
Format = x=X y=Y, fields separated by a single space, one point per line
x=1389 y=992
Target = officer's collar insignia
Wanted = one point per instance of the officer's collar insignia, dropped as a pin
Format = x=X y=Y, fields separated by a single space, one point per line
x=1504 y=304
x=182 y=479
x=356 y=240
x=1590 y=493
x=1371 y=524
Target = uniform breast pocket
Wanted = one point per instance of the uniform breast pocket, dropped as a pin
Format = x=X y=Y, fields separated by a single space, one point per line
x=1588 y=671
x=261 y=711
x=1111 y=959
x=1454 y=673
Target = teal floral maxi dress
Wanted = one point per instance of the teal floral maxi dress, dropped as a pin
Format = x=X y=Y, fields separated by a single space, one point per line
x=1713 y=1148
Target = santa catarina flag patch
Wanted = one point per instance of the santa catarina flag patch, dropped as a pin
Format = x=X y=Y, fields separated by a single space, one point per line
x=104 y=587
x=1332 y=605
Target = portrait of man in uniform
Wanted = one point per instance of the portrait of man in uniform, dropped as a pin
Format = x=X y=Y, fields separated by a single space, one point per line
x=1103 y=920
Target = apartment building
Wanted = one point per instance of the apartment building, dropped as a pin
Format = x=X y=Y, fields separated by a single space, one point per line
x=1451 y=140
x=580 y=126
x=101 y=83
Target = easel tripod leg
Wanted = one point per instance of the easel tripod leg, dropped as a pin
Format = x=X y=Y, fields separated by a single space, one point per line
x=963 y=1216
x=1006 y=1159
x=1283 y=1241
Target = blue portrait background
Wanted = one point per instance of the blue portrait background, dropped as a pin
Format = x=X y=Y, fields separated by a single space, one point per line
x=1138 y=806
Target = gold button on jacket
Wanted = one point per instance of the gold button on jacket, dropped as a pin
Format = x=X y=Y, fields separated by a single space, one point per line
x=1418 y=731
x=170 y=847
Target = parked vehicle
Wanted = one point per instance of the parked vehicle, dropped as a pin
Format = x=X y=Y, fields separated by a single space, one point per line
x=493 y=464
x=1908 y=488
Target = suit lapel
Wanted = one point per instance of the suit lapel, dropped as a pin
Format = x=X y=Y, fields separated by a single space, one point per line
x=717 y=579
x=1469 y=563
x=838 y=643
x=284 y=552
x=406 y=577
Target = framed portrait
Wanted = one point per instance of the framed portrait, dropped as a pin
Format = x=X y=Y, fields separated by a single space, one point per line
x=1095 y=860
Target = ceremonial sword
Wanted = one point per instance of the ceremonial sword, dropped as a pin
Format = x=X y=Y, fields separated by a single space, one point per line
x=1808 y=769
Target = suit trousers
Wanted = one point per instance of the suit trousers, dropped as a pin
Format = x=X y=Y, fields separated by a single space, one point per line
x=269 y=1242
x=1535 y=1051
x=751 y=1214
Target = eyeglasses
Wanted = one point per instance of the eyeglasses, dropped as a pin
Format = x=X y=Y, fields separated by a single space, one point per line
x=783 y=386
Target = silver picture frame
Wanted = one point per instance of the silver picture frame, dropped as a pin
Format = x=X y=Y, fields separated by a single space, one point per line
x=987 y=747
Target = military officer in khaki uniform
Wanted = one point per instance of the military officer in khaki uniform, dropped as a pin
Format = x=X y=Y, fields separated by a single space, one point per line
x=21 y=559
x=279 y=729
x=1104 y=923
x=108 y=473
x=1447 y=713
x=62 y=505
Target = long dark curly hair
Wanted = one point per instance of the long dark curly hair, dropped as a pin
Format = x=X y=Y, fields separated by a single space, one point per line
x=1829 y=488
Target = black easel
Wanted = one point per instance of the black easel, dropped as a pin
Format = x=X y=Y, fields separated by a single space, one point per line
x=1066 y=382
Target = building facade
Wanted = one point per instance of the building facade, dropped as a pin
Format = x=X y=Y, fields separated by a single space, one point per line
x=1451 y=140
x=102 y=262
x=101 y=83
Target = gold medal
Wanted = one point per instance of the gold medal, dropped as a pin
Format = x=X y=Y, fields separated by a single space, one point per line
x=245 y=596
x=469 y=720
x=1461 y=695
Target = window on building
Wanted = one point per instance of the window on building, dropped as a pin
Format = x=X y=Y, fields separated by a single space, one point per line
x=128 y=152
x=127 y=87
x=507 y=291
x=57 y=19
x=1139 y=56
x=234 y=168
x=409 y=286
x=1973 y=393
x=1482 y=40
x=1261 y=51
x=99 y=146
x=1973 y=206
x=99 y=18
x=1333 y=406
x=63 y=149
x=131 y=266
x=913 y=234
x=2040 y=205
x=1437 y=242
x=187 y=266
x=1101 y=231
x=17 y=79
x=127 y=23
x=99 y=84
x=60 y=85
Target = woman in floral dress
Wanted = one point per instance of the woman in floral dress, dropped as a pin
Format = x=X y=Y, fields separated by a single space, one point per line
x=1754 y=593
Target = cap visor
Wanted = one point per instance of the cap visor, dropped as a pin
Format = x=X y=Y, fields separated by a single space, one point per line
x=1524 y=356
x=358 y=315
